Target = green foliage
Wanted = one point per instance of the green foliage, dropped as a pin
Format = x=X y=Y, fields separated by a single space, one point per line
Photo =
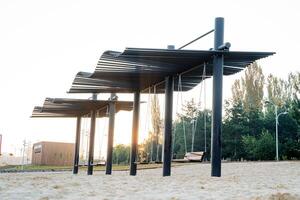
x=291 y=149
x=246 y=118
x=262 y=148
x=249 y=144
x=121 y=154
x=265 y=147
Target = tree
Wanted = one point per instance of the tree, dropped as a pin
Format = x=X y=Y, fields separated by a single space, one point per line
x=243 y=112
x=253 y=88
x=265 y=148
x=284 y=94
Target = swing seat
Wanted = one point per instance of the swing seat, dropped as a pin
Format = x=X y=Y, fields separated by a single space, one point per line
x=194 y=156
x=191 y=157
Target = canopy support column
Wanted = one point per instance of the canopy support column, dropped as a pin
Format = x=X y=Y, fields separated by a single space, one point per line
x=110 y=142
x=167 y=151
x=135 y=133
x=77 y=143
x=217 y=100
x=92 y=139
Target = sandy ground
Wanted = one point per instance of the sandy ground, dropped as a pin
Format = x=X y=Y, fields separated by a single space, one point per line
x=248 y=180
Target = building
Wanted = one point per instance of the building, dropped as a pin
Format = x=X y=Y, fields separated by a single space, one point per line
x=53 y=153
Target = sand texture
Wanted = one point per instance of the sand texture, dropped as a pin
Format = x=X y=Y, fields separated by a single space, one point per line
x=246 y=180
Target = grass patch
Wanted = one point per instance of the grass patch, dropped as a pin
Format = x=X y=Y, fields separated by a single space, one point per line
x=28 y=168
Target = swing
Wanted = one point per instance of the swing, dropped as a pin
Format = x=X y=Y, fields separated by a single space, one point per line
x=192 y=156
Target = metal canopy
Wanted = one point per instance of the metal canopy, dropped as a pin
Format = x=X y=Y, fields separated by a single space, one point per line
x=139 y=68
x=61 y=107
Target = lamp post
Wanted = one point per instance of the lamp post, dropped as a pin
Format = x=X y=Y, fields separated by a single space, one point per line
x=193 y=133
x=276 y=119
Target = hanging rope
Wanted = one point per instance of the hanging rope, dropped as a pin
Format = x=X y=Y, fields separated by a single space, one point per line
x=199 y=100
x=147 y=123
x=82 y=137
x=183 y=121
x=204 y=104
x=86 y=136
x=102 y=135
x=158 y=133
x=175 y=129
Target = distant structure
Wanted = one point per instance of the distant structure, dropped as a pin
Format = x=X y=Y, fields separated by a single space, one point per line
x=53 y=153
x=0 y=143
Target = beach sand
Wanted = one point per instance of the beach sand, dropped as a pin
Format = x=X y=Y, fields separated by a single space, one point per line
x=245 y=180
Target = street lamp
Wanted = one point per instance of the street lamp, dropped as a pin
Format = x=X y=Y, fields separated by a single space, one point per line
x=276 y=118
x=193 y=133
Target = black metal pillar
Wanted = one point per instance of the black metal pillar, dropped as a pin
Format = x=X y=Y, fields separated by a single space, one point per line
x=135 y=133
x=91 y=143
x=77 y=143
x=217 y=100
x=167 y=151
x=92 y=140
x=110 y=142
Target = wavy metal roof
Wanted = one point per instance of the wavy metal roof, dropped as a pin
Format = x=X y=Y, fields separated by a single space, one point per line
x=62 y=107
x=139 y=68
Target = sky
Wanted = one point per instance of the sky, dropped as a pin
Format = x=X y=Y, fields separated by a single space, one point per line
x=43 y=44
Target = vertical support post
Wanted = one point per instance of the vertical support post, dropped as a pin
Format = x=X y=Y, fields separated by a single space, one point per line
x=217 y=100
x=167 y=156
x=77 y=144
x=135 y=133
x=92 y=140
x=110 y=142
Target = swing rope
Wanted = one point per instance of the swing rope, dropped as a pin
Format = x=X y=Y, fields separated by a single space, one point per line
x=102 y=135
x=82 y=137
x=87 y=137
x=157 y=136
x=146 y=128
x=200 y=95
x=183 y=121
x=196 y=121
x=175 y=128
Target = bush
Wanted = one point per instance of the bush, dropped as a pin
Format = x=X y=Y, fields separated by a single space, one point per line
x=262 y=148
x=291 y=149
x=249 y=144
x=265 y=148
